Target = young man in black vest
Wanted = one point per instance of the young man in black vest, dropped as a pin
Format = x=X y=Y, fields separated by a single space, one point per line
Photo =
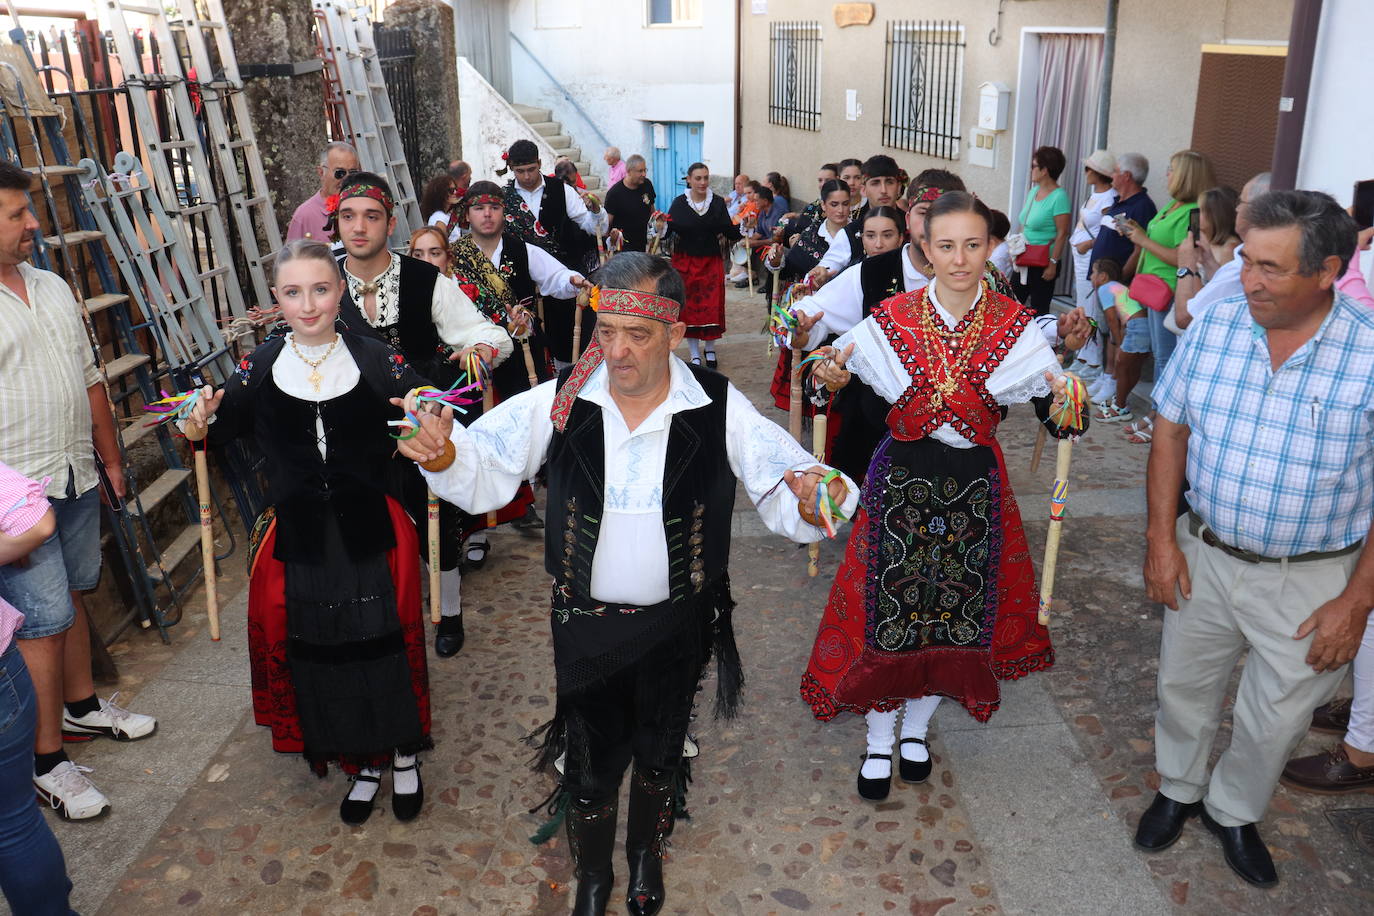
x=427 y=318
x=642 y=453
x=551 y=215
x=883 y=182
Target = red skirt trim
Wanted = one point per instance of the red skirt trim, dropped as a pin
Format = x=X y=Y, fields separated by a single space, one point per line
x=846 y=674
x=274 y=694
x=704 y=311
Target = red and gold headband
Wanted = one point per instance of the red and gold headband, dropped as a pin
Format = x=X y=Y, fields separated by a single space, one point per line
x=629 y=302
x=367 y=189
x=476 y=200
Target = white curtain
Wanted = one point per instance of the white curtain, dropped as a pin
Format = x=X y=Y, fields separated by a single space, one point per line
x=1066 y=112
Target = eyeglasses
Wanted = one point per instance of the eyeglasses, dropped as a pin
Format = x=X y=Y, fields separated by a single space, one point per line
x=341 y=174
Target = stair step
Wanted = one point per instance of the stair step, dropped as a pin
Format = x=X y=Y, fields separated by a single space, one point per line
x=99 y=303
x=592 y=182
x=559 y=141
x=78 y=237
x=547 y=128
x=125 y=364
x=184 y=544
x=572 y=152
x=533 y=115
x=54 y=171
x=133 y=432
x=159 y=489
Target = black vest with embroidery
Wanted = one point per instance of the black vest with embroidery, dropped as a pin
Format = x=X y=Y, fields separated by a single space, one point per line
x=881 y=277
x=698 y=495
x=413 y=334
x=517 y=257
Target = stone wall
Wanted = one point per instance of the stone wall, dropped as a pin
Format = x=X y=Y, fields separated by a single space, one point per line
x=430 y=23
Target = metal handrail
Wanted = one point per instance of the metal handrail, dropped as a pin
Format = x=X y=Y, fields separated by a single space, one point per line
x=553 y=79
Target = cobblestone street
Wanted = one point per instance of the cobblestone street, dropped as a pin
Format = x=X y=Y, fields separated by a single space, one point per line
x=1031 y=813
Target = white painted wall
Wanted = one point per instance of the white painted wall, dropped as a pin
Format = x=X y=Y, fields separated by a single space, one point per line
x=1338 y=139
x=489 y=125
x=625 y=74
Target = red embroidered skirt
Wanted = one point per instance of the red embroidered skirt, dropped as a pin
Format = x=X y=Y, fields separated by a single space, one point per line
x=276 y=704
x=936 y=593
x=704 y=310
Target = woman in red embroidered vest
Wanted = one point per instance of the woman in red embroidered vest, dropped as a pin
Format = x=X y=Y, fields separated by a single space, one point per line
x=936 y=595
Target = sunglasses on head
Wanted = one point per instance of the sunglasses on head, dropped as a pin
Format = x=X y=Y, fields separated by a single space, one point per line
x=341 y=174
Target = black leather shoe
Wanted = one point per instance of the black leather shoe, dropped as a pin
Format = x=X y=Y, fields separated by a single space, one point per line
x=407 y=807
x=649 y=822
x=910 y=770
x=448 y=636
x=1245 y=852
x=351 y=810
x=711 y=361
x=875 y=789
x=591 y=837
x=1162 y=823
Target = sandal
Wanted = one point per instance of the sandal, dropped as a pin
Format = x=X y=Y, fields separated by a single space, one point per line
x=1140 y=437
x=1111 y=412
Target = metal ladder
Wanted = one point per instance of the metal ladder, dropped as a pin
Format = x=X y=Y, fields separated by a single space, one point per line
x=183 y=140
x=156 y=597
x=231 y=135
x=352 y=51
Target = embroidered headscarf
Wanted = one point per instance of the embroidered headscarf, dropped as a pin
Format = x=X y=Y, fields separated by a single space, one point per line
x=926 y=195
x=629 y=302
x=368 y=189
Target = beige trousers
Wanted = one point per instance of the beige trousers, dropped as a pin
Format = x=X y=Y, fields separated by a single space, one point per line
x=1236 y=604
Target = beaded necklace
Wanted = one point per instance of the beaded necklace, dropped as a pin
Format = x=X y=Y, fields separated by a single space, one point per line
x=948 y=352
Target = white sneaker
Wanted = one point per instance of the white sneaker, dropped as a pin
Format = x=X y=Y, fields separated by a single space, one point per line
x=1104 y=389
x=66 y=788
x=1086 y=372
x=109 y=720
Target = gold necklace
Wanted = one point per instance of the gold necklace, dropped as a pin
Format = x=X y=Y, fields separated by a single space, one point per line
x=938 y=340
x=314 y=378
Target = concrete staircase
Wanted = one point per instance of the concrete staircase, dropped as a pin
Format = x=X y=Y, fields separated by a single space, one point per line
x=541 y=122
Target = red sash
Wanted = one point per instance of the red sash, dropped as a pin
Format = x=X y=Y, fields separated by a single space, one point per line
x=970 y=409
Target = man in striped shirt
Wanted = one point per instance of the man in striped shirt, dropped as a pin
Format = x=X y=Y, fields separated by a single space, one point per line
x=54 y=416
x=1268 y=405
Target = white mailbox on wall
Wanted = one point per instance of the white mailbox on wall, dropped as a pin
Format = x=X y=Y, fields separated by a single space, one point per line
x=994 y=102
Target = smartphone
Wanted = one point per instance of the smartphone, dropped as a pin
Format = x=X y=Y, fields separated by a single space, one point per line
x=1195 y=225
x=1364 y=203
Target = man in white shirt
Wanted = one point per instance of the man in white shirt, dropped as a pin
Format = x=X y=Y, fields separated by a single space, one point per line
x=54 y=417
x=642 y=454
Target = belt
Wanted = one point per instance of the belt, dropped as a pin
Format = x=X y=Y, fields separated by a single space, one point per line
x=1198 y=528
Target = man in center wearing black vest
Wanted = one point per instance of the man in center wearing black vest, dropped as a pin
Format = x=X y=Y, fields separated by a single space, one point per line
x=548 y=213
x=433 y=324
x=642 y=453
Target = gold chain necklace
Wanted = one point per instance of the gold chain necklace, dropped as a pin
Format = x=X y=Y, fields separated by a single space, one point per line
x=937 y=340
x=314 y=378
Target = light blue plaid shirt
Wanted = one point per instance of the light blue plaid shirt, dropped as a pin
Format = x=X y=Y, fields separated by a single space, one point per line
x=1279 y=461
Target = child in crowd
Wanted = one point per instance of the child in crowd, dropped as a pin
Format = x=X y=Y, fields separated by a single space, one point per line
x=997 y=237
x=1130 y=333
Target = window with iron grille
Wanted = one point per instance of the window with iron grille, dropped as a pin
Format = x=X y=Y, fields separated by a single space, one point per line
x=922 y=83
x=794 y=66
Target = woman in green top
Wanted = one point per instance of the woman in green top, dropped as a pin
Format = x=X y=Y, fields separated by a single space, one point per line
x=1044 y=221
x=1190 y=173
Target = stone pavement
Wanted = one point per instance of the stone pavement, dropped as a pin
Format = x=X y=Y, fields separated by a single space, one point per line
x=1031 y=813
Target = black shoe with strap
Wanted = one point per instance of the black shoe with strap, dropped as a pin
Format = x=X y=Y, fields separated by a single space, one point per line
x=1162 y=823
x=354 y=811
x=407 y=806
x=448 y=636
x=875 y=789
x=647 y=826
x=591 y=839
x=911 y=770
x=1244 y=850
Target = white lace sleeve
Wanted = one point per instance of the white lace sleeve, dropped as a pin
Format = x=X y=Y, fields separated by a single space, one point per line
x=874 y=361
x=1021 y=376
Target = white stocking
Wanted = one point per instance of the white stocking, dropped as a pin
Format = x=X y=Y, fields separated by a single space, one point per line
x=450 y=586
x=404 y=782
x=915 y=723
x=694 y=345
x=881 y=736
x=365 y=789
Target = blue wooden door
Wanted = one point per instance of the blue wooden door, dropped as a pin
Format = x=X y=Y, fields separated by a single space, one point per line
x=682 y=147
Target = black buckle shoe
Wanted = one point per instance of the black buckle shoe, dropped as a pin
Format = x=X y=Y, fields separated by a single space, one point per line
x=355 y=812
x=1162 y=823
x=1244 y=850
x=875 y=789
x=407 y=807
x=911 y=770
x=448 y=636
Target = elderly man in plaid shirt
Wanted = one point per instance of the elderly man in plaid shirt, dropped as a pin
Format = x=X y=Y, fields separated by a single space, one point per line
x=1267 y=405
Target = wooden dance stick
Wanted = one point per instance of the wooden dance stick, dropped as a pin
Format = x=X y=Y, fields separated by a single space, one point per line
x=1059 y=498
x=583 y=298
x=600 y=248
x=1040 y=437
x=526 y=347
x=813 y=550
x=435 y=589
x=207 y=539
x=794 y=397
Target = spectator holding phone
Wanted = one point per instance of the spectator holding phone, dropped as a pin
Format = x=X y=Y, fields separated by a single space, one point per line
x=1191 y=297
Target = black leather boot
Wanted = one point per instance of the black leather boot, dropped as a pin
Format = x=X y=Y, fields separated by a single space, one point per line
x=650 y=820
x=591 y=839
